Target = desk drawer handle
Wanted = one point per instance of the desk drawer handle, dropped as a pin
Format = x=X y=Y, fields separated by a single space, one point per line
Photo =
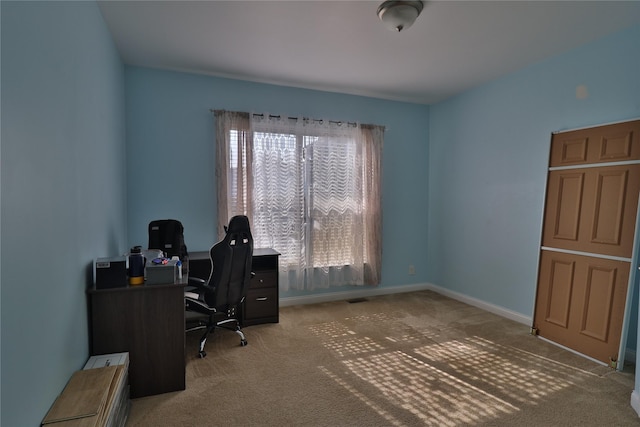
x=261 y=299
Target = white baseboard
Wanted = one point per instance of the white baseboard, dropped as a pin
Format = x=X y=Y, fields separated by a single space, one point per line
x=635 y=401
x=364 y=292
x=369 y=292
x=495 y=309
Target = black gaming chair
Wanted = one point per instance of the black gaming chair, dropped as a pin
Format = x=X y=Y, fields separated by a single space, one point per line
x=221 y=295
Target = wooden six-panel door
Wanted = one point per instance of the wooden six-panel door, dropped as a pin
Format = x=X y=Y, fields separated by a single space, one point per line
x=588 y=237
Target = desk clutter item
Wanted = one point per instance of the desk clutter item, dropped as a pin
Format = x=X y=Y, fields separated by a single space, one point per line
x=167 y=235
x=162 y=272
x=136 y=266
x=96 y=396
x=113 y=272
x=110 y=272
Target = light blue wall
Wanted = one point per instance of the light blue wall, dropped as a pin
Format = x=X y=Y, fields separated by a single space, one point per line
x=488 y=158
x=170 y=148
x=63 y=191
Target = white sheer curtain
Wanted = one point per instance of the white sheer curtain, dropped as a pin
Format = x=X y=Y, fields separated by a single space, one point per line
x=311 y=189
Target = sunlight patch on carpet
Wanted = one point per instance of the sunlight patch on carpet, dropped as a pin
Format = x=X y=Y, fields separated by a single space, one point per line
x=331 y=330
x=520 y=375
x=429 y=394
x=419 y=373
x=354 y=346
x=393 y=421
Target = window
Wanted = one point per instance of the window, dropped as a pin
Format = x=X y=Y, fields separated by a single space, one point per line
x=311 y=191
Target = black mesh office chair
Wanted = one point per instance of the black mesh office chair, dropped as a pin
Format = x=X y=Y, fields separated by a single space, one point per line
x=221 y=295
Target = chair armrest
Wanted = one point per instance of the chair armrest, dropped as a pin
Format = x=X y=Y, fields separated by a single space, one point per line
x=192 y=295
x=197 y=282
x=198 y=285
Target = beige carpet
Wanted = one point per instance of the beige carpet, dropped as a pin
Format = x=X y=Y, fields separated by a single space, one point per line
x=397 y=360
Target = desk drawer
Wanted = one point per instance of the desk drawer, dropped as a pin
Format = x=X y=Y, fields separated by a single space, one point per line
x=261 y=304
x=264 y=279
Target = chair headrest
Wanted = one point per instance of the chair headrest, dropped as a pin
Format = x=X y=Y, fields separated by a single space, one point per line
x=238 y=223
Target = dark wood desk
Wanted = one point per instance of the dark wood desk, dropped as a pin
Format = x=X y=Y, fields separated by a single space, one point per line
x=148 y=322
x=261 y=304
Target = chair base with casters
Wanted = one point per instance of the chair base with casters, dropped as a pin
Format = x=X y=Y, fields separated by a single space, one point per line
x=216 y=319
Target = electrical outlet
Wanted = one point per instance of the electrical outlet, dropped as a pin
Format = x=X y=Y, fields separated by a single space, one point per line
x=412 y=270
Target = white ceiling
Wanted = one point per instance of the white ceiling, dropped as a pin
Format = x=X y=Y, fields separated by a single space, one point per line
x=341 y=46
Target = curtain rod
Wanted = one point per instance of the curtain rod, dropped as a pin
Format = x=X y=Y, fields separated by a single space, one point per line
x=272 y=116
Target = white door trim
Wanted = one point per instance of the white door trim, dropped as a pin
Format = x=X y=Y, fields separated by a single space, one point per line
x=589 y=254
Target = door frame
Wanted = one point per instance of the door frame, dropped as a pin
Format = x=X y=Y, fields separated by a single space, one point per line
x=633 y=274
x=634 y=260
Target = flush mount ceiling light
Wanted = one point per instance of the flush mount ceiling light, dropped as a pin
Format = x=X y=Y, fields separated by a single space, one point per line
x=399 y=15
